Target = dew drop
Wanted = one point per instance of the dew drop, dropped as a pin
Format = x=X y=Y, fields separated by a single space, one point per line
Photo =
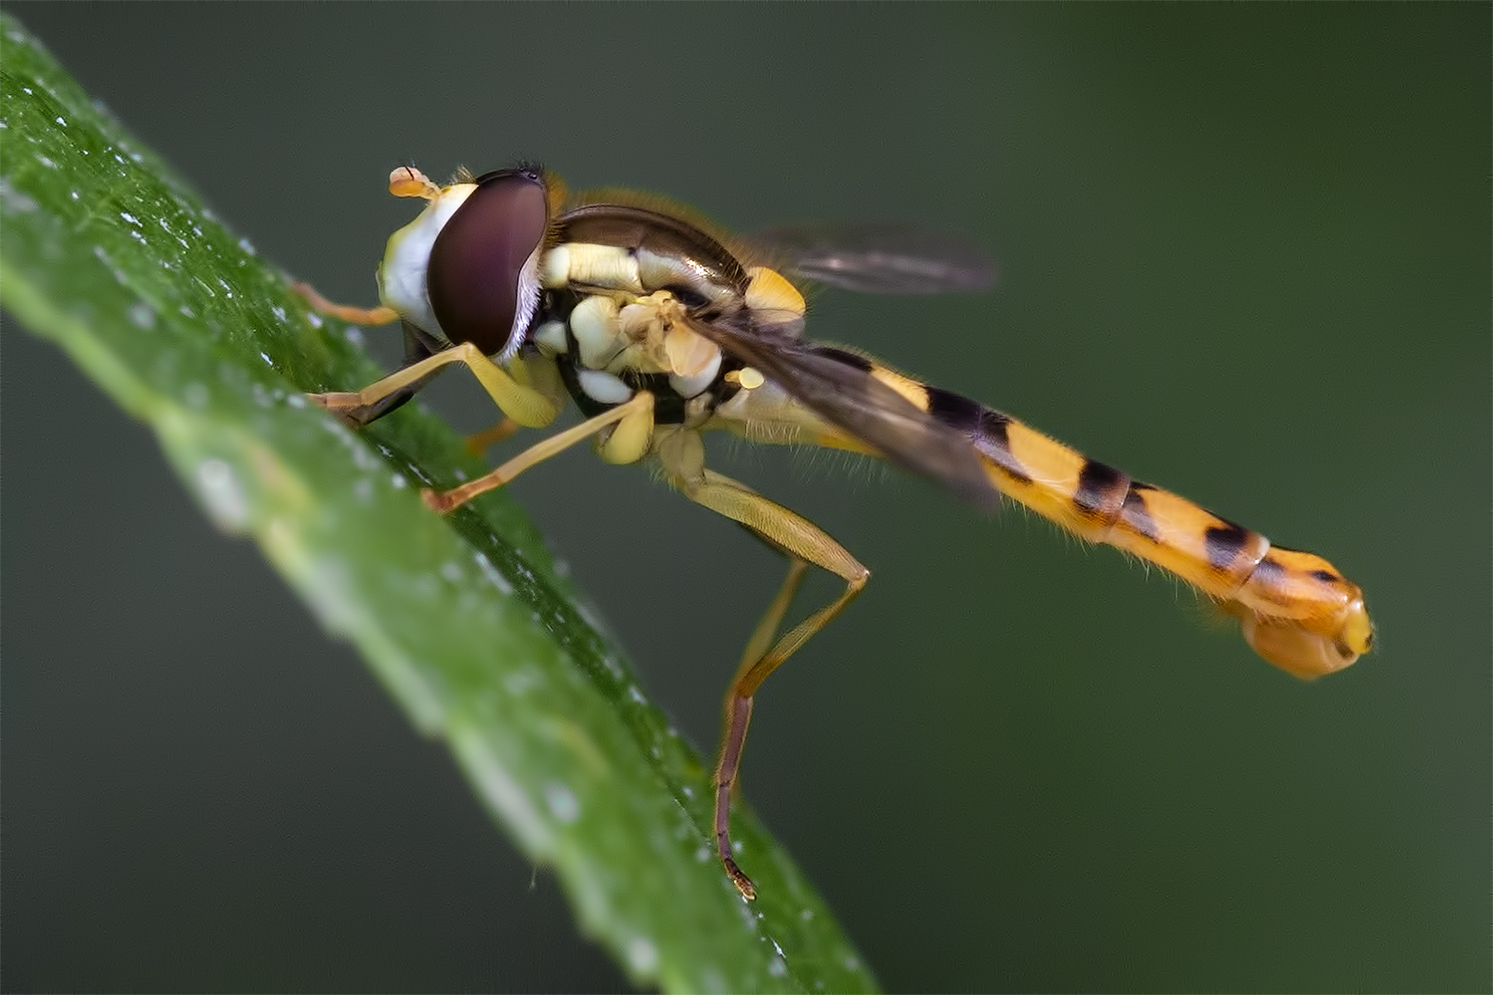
x=223 y=494
x=142 y=315
x=520 y=682
x=642 y=955
x=196 y=396
x=13 y=199
x=494 y=577
x=562 y=802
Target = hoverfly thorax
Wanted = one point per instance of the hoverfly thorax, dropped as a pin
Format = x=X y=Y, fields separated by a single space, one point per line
x=467 y=268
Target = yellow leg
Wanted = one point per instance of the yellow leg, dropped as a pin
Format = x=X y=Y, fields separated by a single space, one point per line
x=637 y=411
x=767 y=628
x=380 y=315
x=525 y=405
x=804 y=544
x=537 y=371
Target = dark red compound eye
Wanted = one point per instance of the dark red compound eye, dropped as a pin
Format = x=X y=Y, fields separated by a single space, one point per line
x=477 y=259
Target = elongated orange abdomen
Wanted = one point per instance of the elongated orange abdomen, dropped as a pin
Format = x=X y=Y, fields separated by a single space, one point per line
x=1296 y=610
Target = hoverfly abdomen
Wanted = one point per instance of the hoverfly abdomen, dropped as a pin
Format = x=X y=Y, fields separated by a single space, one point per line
x=1304 y=616
x=1295 y=609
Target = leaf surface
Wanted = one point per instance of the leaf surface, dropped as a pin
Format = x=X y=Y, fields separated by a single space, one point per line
x=463 y=620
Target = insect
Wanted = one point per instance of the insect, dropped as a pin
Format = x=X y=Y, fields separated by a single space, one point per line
x=661 y=329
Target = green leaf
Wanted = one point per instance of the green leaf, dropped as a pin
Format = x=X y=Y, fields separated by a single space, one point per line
x=463 y=620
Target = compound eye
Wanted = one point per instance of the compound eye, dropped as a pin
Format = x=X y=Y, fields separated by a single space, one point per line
x=481 y=276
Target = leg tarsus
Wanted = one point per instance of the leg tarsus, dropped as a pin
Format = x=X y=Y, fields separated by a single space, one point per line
x=350 y=408
x=723 y=843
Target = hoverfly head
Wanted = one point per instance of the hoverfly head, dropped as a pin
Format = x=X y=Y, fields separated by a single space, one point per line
x=467 y=268
x=482 y=279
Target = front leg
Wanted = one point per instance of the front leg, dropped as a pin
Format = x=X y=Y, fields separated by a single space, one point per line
x=529 y=407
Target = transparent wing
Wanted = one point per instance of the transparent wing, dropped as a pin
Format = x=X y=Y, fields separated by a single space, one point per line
x=838 y=387
x=877 y=258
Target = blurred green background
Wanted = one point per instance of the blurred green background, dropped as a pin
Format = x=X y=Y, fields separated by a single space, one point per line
x=1245 y=254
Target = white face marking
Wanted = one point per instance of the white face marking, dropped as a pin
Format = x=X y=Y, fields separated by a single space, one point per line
x=401 y=275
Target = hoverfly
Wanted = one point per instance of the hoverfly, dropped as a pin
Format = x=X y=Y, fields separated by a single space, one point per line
x=661 y=329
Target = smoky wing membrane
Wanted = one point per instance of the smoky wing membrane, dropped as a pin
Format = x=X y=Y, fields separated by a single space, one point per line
x=877 y=258
x=845 y=394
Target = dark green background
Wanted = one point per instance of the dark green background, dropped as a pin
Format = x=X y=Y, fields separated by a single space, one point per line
x=1244 y=253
